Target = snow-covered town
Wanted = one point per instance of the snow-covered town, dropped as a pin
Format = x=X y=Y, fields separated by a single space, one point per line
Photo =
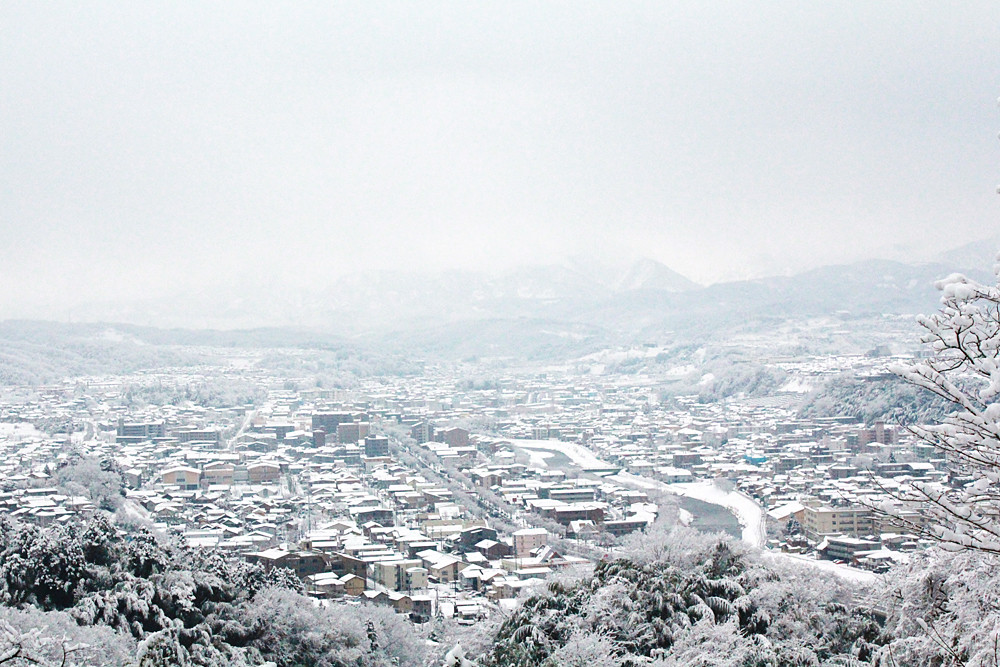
x=449 y=334
x=441 y=496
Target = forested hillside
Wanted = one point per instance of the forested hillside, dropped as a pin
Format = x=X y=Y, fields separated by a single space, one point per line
x=868 y=399
x=94 y=593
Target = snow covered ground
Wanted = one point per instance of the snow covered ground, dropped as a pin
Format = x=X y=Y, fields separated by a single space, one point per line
x=751 y=518
x=797 y=386
x=578 y=454
x=744 y=508
x=19 y=431
x=747 y=511
x=843 y=571
x=539 y=458
x=610 y=356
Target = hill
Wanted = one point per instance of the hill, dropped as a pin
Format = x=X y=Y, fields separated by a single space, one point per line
x=562 y=310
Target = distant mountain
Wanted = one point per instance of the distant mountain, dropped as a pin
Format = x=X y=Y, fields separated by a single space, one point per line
x=573 y=306
x=976 y=255
x=872 y=286
x=854 y=291
x=650 y=274
x=377 y=301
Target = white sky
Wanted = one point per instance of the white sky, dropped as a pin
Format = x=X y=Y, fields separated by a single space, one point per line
x=147 y=148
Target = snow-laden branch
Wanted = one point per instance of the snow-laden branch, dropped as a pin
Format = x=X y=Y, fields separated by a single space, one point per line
x=964 y=369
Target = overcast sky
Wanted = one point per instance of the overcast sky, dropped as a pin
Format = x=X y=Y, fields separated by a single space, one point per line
x=148 y=148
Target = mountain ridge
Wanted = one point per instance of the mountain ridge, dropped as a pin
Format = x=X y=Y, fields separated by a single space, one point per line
x=563 y=307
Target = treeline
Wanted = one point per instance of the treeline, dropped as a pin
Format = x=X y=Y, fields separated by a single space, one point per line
x=696 y=601
x=336 y=368
x=93 y=592
x=33 y=353
x=214 y=392
x=870 y=399
x=33 y=363
x=137 y=599
x=687 y=600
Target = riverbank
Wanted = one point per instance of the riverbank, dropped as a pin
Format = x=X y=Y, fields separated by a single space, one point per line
x=749 y=514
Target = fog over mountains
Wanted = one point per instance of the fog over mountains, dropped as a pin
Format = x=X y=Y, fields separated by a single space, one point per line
x=570 y=306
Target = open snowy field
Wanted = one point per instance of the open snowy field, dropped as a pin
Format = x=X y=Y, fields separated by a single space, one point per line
x=539 y=458
x=578 y=454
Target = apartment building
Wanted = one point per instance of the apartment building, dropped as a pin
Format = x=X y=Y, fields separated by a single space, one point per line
x=822 y=521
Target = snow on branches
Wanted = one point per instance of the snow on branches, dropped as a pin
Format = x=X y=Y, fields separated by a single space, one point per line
x=963 y=369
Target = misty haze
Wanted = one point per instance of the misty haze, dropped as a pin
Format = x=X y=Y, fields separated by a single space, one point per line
x=499 y=335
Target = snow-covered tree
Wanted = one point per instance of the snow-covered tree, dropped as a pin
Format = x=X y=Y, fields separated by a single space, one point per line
x=89 y=477
x=587 y=649
x=964 y=370
x=456 y=658
x=702 y=603
x=32 y=637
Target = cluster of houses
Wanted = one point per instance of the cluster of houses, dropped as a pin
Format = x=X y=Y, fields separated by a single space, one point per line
x=312 y=480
